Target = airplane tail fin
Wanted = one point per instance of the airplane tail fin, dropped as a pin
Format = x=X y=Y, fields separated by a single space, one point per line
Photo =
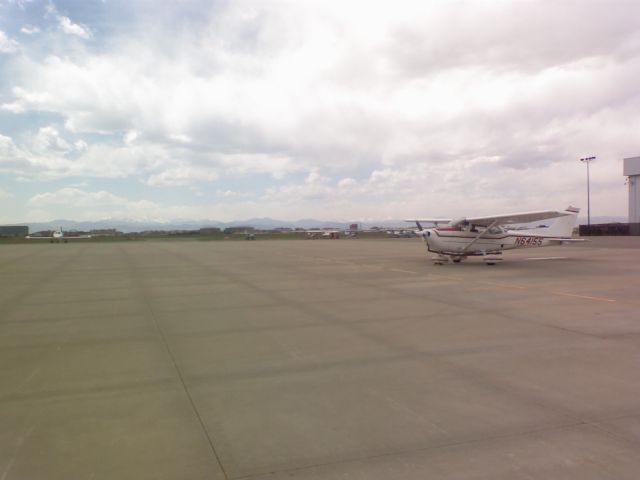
x=562 y=226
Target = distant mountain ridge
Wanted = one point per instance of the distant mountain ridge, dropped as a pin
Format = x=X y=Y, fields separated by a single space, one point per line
x=132 y=225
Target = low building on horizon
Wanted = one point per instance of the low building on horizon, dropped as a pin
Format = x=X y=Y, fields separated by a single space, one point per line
x=14 y=230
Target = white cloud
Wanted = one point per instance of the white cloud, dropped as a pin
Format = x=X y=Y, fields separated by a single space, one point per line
x=13 y=107
x=466 y=103
x=183 y=175
x=5 y=194
x=70 y=28
x=52 y=157
x=347 y=183
x=232 y=194
x=24 y=100
x=48 y=140
x=315 y=178
x=277 y=166
x=7 y=45
x=20 y=3
x=94 y=205
x=12 y=159
x=7 y=147
x=180 y=137
x=76 y=196
x=91 y=205
x=29 y=30
x=130 y=137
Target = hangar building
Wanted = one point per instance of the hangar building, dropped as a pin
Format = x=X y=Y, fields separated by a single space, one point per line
x=14 y=231
x=631 y=169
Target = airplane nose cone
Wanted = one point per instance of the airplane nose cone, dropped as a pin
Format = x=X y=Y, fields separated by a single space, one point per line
x=425 y=234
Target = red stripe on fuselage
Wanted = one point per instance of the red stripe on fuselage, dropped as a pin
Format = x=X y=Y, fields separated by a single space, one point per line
x=472 y=235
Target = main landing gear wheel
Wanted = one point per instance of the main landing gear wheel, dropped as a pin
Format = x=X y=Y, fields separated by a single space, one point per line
x=440 y=259
x=492 y=259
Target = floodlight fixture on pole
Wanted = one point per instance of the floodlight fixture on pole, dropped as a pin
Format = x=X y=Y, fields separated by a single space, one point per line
x=588 y=160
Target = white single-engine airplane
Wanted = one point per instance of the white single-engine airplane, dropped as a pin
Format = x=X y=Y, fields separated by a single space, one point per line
x=485 y=236
x=57 y=236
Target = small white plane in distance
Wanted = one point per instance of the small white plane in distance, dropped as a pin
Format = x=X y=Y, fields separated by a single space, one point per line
x=322 y=233
x=57 y=236
x=485 y=236
x=402 y=233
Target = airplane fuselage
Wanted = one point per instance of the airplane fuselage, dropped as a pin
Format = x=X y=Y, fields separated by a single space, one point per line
x=456 y=242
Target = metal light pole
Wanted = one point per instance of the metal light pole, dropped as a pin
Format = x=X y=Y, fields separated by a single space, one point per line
x=588 y=160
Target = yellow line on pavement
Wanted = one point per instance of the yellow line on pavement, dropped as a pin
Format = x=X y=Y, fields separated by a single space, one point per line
x=457 y=279
x=587 y=297
x=503 y=285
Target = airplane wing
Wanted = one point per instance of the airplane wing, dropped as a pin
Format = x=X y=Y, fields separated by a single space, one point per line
x=435 y=221
x=523 y=217
x=50 y=237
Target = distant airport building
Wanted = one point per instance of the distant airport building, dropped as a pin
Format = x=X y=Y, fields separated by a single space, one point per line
x=104 y=232
x=631 y=169
x=14 y=231
x=209 y=230
x=231 y=230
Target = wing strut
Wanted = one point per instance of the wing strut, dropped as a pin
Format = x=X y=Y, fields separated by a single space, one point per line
x=480 y=235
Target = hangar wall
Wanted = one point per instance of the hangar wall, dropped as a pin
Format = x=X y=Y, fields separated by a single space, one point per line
x=631 y=169
x=14 y=231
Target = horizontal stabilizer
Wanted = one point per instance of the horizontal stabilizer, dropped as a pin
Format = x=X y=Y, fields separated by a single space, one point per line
x=566 y=240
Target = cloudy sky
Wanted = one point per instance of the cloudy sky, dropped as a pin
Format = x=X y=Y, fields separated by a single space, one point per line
x=345 y=109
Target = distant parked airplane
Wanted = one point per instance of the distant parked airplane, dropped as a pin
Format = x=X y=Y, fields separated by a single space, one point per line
x=331 y=234
x=401 y=233
x=57 y=237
